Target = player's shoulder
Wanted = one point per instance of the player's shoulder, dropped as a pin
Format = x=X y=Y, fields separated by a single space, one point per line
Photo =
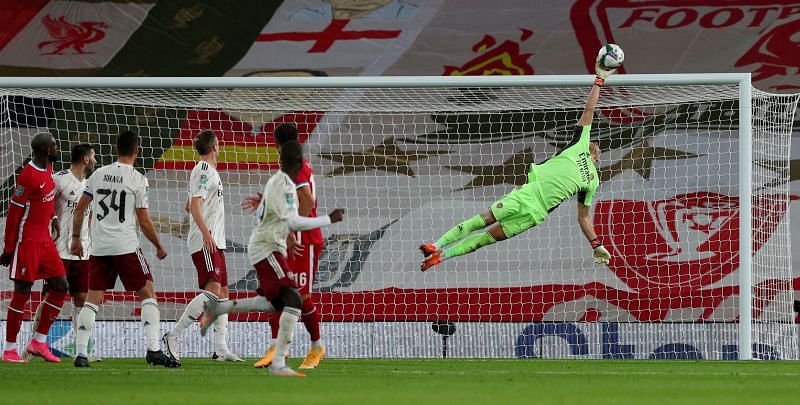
x=135 y=174
x=32 y=173
x=281 y=180
x=307 y=166
x=305 y=173
x=203 y=168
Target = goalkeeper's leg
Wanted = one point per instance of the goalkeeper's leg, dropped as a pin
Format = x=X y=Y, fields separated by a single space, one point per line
x=470 y=243
x=459 y=231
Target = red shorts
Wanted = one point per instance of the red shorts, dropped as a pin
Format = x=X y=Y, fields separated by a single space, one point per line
x=77 y=275
x=131 y=268
x=272 y=274
x=304 y=268
x=36 y=261
x=210 y=267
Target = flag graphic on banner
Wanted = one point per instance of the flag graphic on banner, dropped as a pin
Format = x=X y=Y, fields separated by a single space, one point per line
x=363 y=36
x=71 y=34
x=243 y=146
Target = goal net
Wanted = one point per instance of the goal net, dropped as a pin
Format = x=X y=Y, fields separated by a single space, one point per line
x=407 y=163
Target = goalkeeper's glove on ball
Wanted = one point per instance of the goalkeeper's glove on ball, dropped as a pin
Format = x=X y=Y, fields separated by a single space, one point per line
x=600 y=253
x=601 y=72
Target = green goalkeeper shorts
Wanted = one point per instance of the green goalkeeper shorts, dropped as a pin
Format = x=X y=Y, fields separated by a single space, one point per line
x=520 y=210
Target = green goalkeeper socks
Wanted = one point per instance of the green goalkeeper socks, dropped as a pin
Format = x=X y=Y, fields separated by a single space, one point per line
x=469 y=245
x=461 y=230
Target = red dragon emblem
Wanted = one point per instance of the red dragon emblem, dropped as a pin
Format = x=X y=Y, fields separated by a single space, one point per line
x=68 y=35
x=775 y=53
x=687 y=242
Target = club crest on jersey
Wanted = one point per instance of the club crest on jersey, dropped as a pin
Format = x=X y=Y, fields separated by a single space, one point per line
x=689 y=241
x=19 y=191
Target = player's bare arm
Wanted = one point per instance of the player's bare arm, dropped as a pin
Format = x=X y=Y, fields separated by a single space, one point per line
x=599 y=252
x=305 y=204
x=292 y=247
x=196 y=209
x=55 y=227
x=149 y=231
x=250 y=203
x=76 y=246
x=588 y=112
x=305 y=201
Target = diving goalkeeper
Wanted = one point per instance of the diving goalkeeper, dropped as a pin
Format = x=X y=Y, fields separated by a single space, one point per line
x=571 y=171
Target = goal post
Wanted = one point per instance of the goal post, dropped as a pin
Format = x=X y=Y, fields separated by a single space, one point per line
x=693 y=205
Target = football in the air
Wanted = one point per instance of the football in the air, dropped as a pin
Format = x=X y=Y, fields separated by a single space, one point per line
x=611 y=56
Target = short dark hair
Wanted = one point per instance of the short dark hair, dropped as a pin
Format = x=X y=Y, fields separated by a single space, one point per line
x=291 y=156
x=285 y=132
x=127 y=142
x=79 y=152
x=204 y=141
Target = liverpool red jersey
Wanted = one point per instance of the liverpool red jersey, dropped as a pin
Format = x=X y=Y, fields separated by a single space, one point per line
x=305 y=178
x=32 y=206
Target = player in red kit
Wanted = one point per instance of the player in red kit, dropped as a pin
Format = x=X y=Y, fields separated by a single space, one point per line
x=30 y=252
x=305 y=248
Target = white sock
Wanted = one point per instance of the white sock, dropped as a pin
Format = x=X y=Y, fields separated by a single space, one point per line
x=287 y=323
x=317 y=344
x=10 y=346
x=85 y=325
x=75 y=312
x=40 y=337
x=273 y=342
x=192 y=312
x=151 y=322
x=255 y=304
x=221 y=332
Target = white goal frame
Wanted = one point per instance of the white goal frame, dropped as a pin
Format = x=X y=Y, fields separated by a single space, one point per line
x=740 y=79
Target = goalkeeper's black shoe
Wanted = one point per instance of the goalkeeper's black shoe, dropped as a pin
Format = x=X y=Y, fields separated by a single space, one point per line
x=81 y=362
x=160 y=358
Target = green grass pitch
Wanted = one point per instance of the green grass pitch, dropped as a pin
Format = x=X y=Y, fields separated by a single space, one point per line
x=386 y=381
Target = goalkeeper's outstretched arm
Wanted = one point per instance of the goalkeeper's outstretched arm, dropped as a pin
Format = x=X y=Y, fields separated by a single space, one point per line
x=599 y=252
x=600 y=78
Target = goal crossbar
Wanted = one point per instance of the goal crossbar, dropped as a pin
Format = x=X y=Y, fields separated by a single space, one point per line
x=371 y=82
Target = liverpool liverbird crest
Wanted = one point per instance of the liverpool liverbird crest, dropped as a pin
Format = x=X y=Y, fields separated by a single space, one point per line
x=68 y=35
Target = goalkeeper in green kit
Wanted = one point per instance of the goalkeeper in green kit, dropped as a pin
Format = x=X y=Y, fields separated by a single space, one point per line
x=571 y=171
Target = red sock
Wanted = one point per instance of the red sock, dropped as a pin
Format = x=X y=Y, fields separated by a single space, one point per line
x=311 y=318
x=50 y=310
x=16 y=310
x=274 y=323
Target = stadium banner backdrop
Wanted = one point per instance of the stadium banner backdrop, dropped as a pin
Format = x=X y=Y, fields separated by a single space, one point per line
x=369 y=266
x=568 y=340
x=365 y=274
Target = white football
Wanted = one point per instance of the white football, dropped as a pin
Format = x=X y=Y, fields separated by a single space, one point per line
x=611 y=56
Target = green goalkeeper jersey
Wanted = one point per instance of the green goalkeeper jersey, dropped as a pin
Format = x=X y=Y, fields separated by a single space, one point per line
x=571 y=171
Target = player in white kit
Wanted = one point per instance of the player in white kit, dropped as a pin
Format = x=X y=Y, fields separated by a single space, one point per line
x=277 y=216
x=118 y=195
x=206 y=242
